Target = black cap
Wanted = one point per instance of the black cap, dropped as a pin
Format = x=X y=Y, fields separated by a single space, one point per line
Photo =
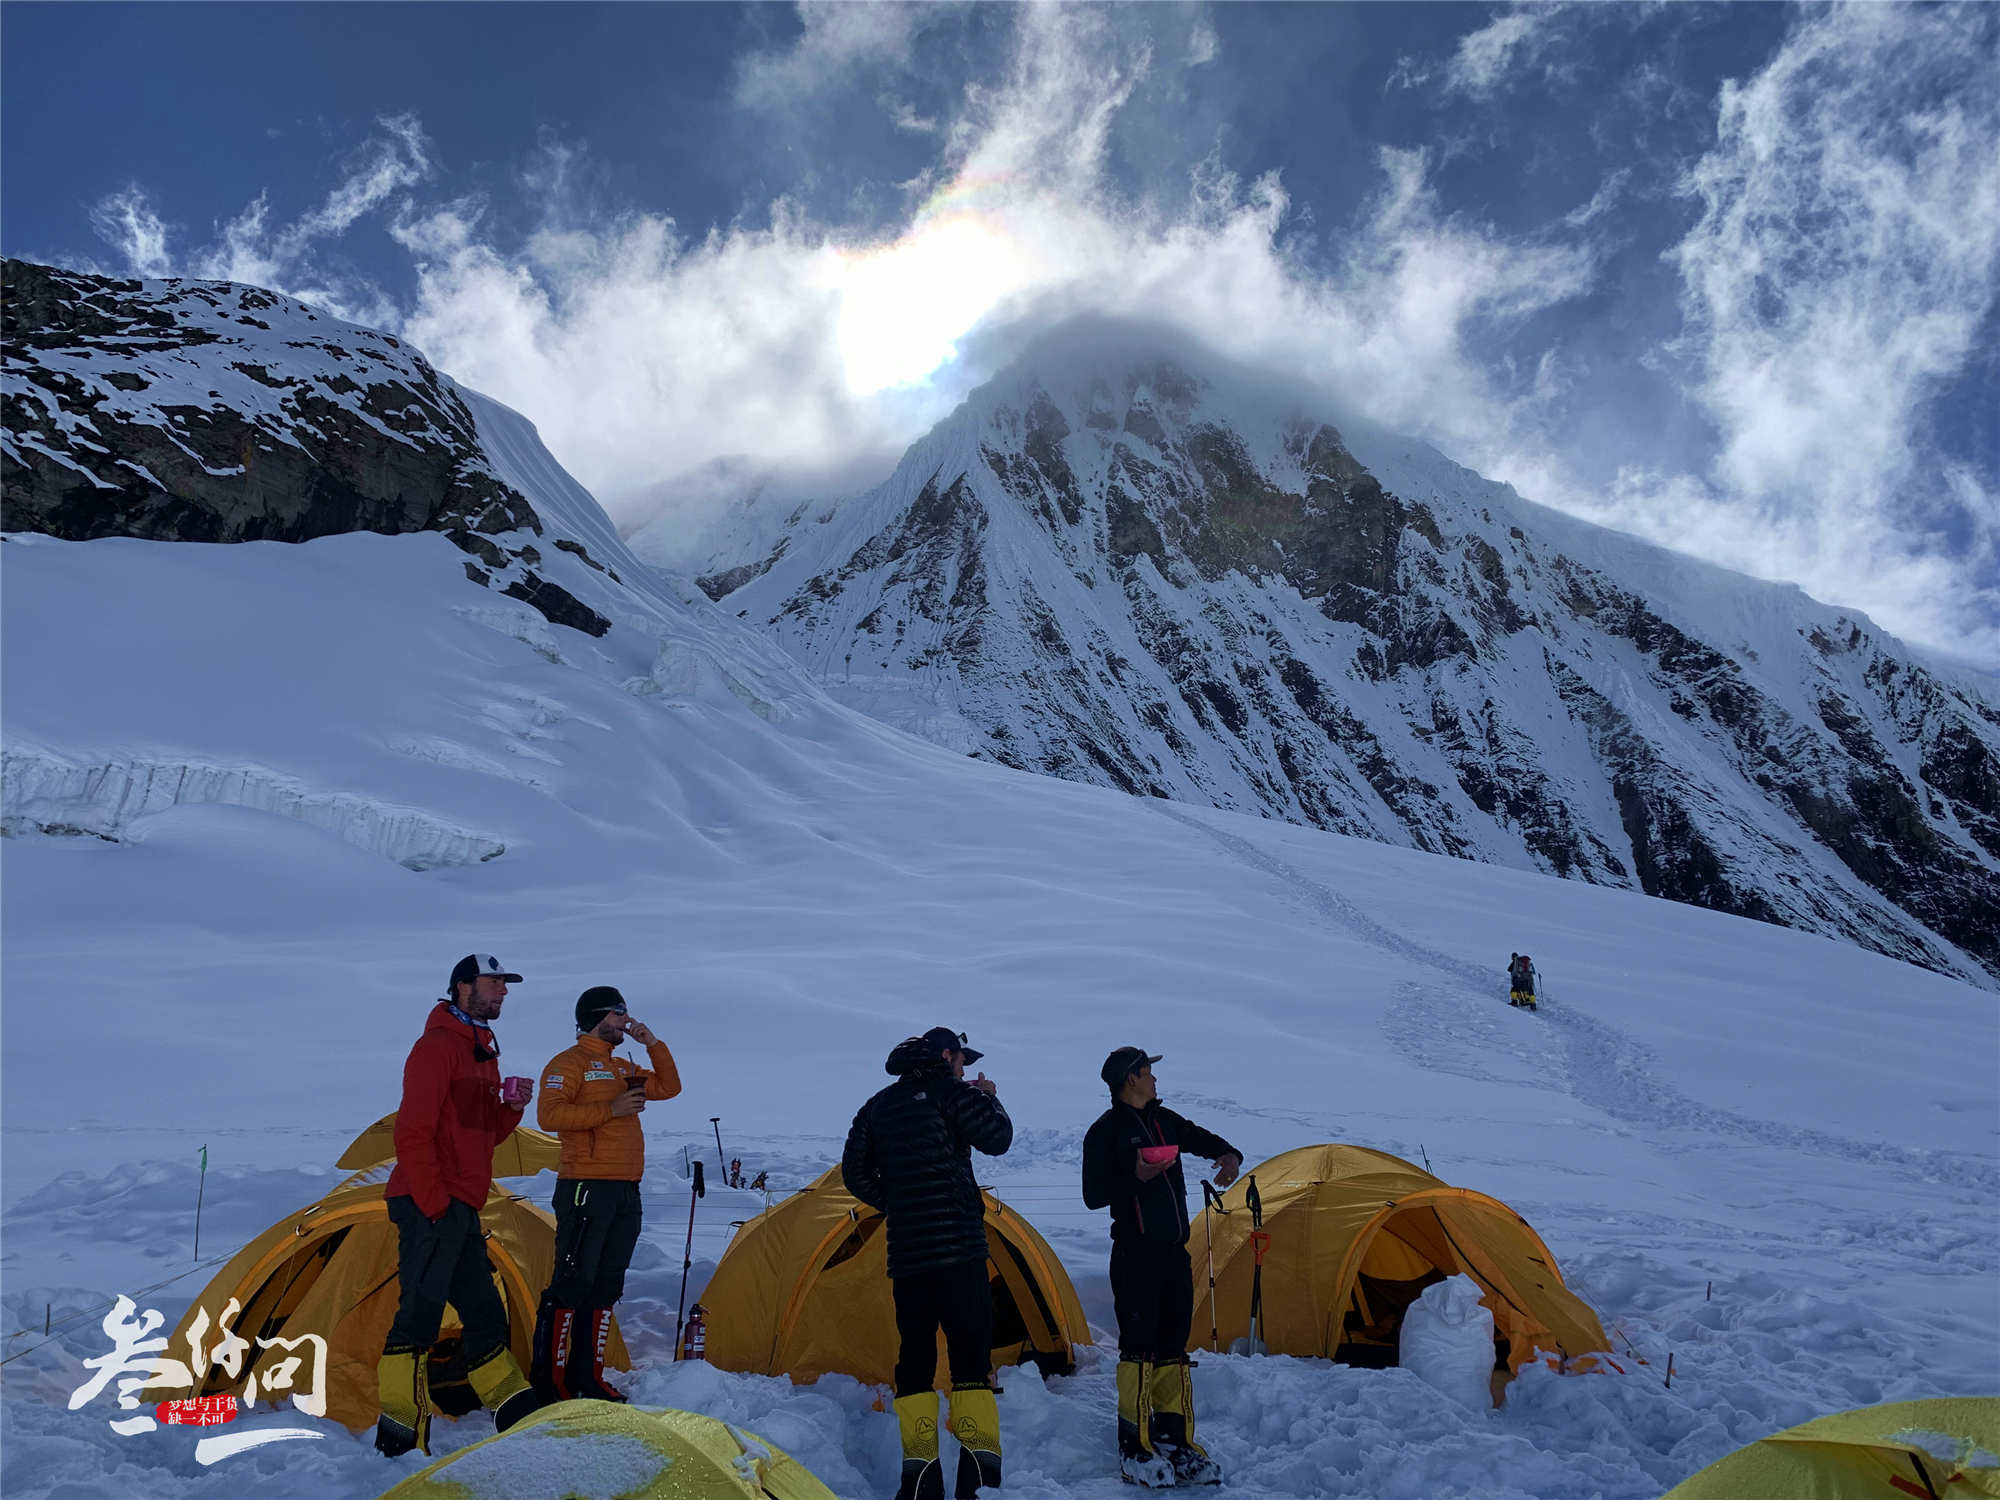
x=1123 y=1063
x=595 y=1003
x=473 y=965
x=940 y=1037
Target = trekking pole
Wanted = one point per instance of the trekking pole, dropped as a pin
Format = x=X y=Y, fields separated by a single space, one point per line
x=1259 y=1243
x=1211 y=1201
x=200 y=1192
x=720 y=1160
x=687 y=1258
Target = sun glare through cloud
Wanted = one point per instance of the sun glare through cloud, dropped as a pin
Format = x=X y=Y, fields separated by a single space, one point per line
x=904 y=307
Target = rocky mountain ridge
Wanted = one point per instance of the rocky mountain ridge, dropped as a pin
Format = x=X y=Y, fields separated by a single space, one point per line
x=1167 y=576
x=181 y=410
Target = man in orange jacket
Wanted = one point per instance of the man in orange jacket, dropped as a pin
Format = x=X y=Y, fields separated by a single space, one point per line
x=589 y=1100
x=450 y=1119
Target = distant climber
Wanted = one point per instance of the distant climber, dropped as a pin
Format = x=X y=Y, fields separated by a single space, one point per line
x=1522 y=981
x=909 y=1154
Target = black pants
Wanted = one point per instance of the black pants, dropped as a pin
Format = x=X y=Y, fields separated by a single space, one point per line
x=1152 y=1292
x=440 y=1263
x=597 y=1226
x=957 y=1299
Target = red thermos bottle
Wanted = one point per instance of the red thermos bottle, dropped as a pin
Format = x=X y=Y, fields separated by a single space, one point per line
x=694 y=1338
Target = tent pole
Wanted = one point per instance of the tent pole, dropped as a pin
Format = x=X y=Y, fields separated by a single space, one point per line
x=1210 y=1201
x=200 y=1192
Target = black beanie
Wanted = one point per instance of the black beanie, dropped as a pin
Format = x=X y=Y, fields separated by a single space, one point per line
x=594 y=1004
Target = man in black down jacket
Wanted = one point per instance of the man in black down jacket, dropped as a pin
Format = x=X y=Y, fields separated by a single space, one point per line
x=1152 y=1280
x=909 y=1154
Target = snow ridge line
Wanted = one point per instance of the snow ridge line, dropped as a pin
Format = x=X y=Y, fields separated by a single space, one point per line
x=1603 y=1068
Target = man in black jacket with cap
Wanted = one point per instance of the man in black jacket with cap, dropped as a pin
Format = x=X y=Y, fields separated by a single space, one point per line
x=1131 y=1164
x=909 y=1154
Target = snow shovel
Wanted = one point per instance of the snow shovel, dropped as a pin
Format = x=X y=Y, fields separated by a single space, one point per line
x=1259 y=1243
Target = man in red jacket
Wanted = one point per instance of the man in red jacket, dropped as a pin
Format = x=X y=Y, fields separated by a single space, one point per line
x=451 y=1118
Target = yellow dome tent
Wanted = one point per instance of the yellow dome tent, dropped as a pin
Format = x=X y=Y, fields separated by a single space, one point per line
x=596 y=1448
x=1907 y=1448
x=1356 y=1236
x=803 y=1289
x=328 y=1273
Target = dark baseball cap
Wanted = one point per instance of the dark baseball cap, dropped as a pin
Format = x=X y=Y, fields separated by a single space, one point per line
x=473 y=965
x=941 y=1037
x=1123 y=1063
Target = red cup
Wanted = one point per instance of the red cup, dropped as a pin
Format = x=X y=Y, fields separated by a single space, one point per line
x=514 y=1091
x=1158 y=1154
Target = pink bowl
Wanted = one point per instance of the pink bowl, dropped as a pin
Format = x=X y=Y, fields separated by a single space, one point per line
x=1158 y=1153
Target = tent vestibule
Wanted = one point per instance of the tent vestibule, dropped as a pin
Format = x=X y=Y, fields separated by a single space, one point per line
x=1356 y=1237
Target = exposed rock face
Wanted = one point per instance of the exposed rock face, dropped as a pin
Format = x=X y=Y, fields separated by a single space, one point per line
x=211 y=412
x=1156 y=579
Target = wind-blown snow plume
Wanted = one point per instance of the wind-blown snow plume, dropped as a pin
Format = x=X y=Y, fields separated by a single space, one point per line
x=1842 y=259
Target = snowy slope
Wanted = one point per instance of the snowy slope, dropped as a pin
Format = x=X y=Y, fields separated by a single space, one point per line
x=238 y=949
x=1168 y=575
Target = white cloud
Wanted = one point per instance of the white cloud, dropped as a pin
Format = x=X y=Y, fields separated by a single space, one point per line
x=129 y=224
x=1843 y=258
x=642 y=353
x=248 y=248
x=1512 y=40
x=1847 y=255
x=838 y=37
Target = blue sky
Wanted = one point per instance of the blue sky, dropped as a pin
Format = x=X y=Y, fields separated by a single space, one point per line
x=1724 y=276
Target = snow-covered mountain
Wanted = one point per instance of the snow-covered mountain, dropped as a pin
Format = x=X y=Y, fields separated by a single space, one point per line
x=263 y=794
x=206 y=411
x=1156 y=572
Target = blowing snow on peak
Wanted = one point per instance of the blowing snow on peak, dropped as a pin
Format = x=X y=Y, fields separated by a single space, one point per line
x=1151 y=570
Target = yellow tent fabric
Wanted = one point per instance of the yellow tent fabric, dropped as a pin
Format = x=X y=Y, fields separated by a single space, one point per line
x=1356 y=1235
x=804 y=1289
x=1907 y=1448
x=585 y=1450
x=329 y=1271
x=522 y=1154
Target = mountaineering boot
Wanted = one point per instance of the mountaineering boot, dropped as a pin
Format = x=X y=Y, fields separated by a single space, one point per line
x=1137 y=1462
x=975 y=1422
x=585 y=1367
x=497 y=1376
x=402 y=1382
x=1173 y=1425
x=554 y=1329
x=923 y=1475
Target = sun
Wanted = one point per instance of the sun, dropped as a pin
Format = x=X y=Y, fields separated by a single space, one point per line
x=904 y=307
